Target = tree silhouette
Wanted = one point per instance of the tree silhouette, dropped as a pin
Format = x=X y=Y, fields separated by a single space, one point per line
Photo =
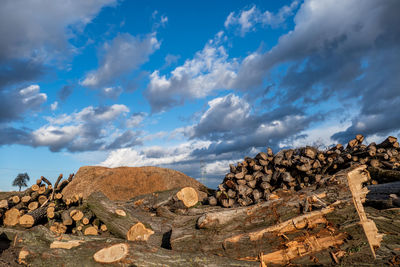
x=21 y=180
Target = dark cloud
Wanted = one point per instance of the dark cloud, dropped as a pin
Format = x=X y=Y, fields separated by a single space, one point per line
x=127 y=139
x=19 y=71
x=11 y=135
x=232 y=126
x=65 y=92
x=14 y=103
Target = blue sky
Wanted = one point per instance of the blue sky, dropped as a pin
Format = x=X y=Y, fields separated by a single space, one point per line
x=190 y=85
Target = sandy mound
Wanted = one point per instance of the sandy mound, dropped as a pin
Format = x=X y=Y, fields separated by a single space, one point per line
x=124 y=183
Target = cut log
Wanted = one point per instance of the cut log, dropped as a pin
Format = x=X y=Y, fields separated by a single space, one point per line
x=11 y=217
x=112 y=254
x=103 y=227
x=3 y=204
x=26 y=199
x=58 y=228
x=384 y=176
x=122 y=226
x=35 y=187
x=42 y=199
x=15 y=199
x=76 y=215
x=66 y=218
x=32 y=218
x=90 y=230
x=33 y=205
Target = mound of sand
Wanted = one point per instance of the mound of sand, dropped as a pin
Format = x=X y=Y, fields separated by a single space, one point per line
x=124 y=183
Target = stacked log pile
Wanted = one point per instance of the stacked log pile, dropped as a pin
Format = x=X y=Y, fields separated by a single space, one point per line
x=256 y=179
x=43 y=203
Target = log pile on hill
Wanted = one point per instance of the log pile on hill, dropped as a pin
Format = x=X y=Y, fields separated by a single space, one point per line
x=256 y=179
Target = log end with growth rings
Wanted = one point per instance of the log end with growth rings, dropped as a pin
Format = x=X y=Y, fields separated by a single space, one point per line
x=111 y=254
x=188 y=196
x=139 y=232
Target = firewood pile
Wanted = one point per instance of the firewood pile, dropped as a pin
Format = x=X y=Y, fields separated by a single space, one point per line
x=257 y=179
x=43 y=203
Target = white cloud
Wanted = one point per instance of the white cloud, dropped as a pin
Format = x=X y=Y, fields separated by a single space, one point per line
x=89 y=129
x=208 y=71
x=54 y=105
x=152 y=156
x=246 y=20
x=122 y=55
x=135 y=120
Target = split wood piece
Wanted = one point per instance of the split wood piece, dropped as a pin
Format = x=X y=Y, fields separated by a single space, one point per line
x=355 y=179
x=66 y=244
x=11 y=217
x=32 y=218
x=122 y=226
x=384 y=176
x=301 y=248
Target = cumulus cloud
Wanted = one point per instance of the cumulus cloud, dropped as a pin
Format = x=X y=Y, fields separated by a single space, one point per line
x=208 y=71
x=121 y=56
x=14 y=103
x=135 y=119
x=92 y=128
x=246 y=20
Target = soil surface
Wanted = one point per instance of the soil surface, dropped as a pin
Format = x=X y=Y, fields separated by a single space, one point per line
x=124 y=183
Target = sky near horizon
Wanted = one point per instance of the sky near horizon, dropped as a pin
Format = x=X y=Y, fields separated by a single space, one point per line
x=190 y=85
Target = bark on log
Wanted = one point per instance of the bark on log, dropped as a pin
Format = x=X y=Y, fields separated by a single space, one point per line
x=80 y=251
x=34 y=217
x=384 y=176
x=121 y=226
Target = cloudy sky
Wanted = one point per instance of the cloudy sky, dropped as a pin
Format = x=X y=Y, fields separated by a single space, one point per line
x=190 y=85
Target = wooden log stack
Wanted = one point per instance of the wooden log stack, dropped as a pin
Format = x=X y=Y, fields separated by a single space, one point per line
x=256 y=179
x=43 y=204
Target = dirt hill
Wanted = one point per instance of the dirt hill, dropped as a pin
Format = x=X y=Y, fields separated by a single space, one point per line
x=124 y=183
